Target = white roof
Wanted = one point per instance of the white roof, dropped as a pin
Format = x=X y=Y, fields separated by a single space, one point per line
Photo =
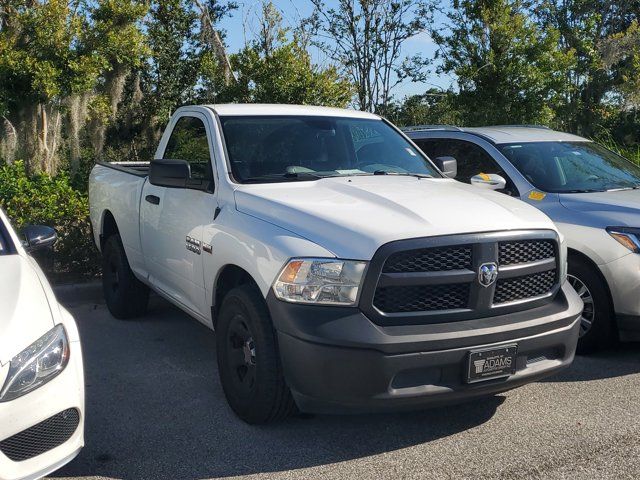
x=276 y=109
x=516 y=134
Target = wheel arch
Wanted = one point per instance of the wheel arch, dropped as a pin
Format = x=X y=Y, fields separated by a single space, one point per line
x=229 y=277
x=576 y=254
x=108 y=227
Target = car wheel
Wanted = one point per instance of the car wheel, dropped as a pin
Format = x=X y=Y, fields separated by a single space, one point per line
x=125 y=295
x=597 y=321
x=248 y=359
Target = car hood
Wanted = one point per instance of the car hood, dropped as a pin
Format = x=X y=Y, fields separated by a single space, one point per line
x=353 y=216
x=25 y=312
x=612 y=208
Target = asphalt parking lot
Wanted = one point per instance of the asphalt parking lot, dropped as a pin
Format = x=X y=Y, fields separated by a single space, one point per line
x=155 y=410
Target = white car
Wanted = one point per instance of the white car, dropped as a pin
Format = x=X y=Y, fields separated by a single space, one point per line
x=41 y=372
x=340 y=269
x=590 y=192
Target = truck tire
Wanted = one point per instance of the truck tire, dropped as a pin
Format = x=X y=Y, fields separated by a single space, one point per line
x=597 y=329
x=125 y=295
x=248 y=359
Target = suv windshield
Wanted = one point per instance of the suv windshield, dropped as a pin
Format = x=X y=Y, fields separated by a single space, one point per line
x=572 y=167
x=283 y=148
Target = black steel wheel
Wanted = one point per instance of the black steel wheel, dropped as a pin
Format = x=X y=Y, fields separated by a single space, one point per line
x=248 y=359
x=125 y=295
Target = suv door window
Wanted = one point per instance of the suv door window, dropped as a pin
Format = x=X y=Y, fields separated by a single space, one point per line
x=189 y=142
x=472 y=159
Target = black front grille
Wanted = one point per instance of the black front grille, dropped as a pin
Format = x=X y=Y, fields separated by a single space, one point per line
x=438 y=279
x=528 y=286
x=430 y=260
x=422 y=298
x=42 y=437
x=511 y=253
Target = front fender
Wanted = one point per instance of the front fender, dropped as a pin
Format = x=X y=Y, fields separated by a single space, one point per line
x=258 y=247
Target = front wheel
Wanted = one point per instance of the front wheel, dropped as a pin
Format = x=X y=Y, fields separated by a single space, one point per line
x=248 y=359
x=597 y=328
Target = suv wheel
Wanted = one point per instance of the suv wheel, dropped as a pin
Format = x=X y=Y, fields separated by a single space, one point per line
x=597 y=321
x=248 y=359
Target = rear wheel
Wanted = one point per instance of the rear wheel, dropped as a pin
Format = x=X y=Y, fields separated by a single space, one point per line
x=597 y=328
x=248 y=359
x=125 y=295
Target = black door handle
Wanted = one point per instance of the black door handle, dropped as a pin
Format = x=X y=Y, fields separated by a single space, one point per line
x=152 y=199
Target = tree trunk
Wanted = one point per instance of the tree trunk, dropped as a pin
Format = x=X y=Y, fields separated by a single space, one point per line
x=212 y=37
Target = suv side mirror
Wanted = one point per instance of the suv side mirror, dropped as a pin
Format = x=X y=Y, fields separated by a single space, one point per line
x=447 y=165
x=491 y=181
x=169 y=173
x=38 y=237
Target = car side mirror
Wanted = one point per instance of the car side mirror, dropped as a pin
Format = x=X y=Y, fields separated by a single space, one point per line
x=490 y=181
x=448 y=166
x=38 y=237
x=169 y=173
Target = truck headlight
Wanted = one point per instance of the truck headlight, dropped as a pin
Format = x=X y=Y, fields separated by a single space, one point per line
x=320 y=281
x=627 y=237
x=564 y=265
x=37 y=364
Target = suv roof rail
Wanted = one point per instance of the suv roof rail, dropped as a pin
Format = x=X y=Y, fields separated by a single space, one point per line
x=414 y=128
x=524 y=125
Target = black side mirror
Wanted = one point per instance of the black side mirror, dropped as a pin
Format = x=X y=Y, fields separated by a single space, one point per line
x=169 y=173
x=448 y=166
x=38 y=237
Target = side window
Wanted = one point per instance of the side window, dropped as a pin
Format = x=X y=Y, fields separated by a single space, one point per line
x=472 y=159
x=188 y=142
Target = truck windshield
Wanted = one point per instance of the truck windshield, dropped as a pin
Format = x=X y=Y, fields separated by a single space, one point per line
x=572 y=167
x=289 y=148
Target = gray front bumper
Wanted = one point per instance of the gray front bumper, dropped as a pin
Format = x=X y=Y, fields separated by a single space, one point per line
x=337 y=361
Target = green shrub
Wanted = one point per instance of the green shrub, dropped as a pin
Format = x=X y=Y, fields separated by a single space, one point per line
x=630 y=152
x=47 y=200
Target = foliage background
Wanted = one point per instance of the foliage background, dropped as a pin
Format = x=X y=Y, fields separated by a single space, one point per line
x=88 y=80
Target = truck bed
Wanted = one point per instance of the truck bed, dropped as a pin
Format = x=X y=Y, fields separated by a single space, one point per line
x=140 y=169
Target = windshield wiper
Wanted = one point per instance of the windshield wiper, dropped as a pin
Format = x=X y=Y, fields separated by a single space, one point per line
x=403 y=174
x=582 y=191
x=288 y=176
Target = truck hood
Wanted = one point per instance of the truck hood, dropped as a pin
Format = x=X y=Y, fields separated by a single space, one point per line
x=353 y=216
x=606 y=209
x=25 y=313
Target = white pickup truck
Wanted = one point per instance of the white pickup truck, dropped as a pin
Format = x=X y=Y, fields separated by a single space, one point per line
x=341 y=270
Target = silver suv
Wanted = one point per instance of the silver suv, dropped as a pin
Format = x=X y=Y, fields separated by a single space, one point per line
x=589 y=191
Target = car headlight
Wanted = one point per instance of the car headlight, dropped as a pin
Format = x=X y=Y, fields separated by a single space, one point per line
x=320 y=281
x=627 y=237
x=37 y=364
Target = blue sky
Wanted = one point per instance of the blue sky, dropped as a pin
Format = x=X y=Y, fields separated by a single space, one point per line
x=241 y=25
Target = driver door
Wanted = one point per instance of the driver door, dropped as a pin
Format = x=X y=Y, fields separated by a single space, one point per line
x=173 y=222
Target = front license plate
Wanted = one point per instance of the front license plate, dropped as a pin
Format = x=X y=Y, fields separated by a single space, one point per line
x=492 y=363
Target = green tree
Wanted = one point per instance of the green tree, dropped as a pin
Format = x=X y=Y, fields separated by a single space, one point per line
x=508 y=69
x=42 y=61
x=434 y=107
x=583 y=26
x=366 y=38
x=274 y=68
x=56 y=57
x=115 y=37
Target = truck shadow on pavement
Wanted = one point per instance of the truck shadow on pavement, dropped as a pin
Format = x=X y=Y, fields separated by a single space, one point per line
x=155 y=410
x=617 y=361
